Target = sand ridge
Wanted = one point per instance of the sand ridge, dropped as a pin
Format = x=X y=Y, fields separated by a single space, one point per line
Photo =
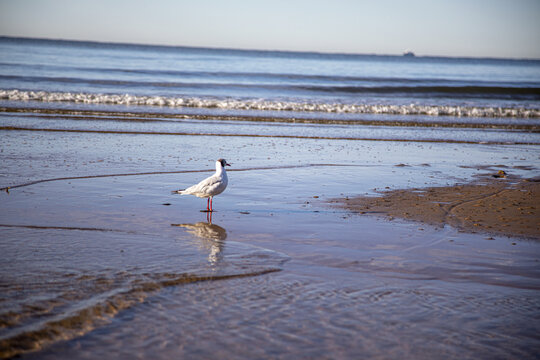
x=499 y=206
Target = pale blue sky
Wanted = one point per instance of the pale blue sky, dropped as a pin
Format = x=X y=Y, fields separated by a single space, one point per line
x=492 y=28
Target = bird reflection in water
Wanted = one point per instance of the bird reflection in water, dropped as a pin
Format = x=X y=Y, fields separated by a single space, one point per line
x=212 y=237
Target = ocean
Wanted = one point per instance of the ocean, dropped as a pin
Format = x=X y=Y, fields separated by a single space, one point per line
x=101 y=260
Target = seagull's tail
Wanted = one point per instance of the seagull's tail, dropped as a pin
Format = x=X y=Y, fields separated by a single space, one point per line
x=181 y=192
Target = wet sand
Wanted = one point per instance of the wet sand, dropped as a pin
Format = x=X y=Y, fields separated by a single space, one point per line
x=496 y=206
x=114 y=266
x=266 y=278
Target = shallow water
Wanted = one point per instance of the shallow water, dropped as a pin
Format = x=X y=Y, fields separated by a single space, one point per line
x=106 y=269
x=523 y=131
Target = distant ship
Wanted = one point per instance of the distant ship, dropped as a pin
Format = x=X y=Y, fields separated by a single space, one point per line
x=408 y=54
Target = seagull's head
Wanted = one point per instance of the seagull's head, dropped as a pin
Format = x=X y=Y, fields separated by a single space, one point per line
x=223 y=162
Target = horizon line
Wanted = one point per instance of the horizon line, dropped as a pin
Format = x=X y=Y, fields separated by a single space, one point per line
x=312 y=52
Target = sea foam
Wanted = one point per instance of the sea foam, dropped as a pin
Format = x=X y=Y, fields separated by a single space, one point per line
x=235 y=104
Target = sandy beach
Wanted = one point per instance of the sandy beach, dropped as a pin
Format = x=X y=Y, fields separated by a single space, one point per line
x=275 y=265
x=498 y=206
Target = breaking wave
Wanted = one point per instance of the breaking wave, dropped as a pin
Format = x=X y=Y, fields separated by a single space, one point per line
x=265 y=105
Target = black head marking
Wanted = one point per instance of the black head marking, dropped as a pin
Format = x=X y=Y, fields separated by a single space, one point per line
x=223 y=162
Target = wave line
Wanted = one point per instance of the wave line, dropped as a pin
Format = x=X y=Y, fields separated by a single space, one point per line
x=448 y=141
x=267 y=105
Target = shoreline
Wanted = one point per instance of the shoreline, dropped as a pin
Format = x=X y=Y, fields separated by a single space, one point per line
x=507 y=207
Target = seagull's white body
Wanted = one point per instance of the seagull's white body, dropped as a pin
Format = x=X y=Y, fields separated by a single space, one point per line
x=211 y=186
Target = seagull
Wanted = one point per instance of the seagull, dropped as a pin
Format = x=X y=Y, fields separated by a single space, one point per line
x=209 y=187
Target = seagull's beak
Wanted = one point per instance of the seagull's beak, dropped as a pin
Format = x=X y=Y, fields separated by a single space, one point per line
x=227 y=164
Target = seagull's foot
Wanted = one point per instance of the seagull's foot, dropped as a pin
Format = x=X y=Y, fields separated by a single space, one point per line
x=207 y=211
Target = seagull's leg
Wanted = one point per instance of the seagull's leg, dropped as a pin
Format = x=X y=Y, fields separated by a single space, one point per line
x=208 y=204
x=211 y=198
